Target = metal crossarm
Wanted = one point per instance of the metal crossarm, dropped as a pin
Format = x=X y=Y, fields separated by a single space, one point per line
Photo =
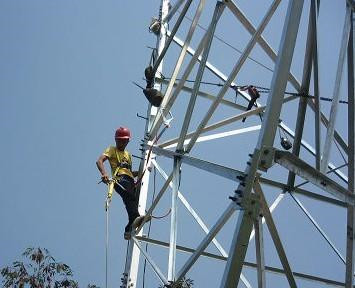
x=306 y=171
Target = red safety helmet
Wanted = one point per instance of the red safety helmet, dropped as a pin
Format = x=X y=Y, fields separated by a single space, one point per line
x=122 y=133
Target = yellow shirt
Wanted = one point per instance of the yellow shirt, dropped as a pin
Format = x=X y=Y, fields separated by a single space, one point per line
x=120 y=161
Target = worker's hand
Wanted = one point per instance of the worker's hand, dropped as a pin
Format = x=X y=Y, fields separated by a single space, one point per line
x=105 y=179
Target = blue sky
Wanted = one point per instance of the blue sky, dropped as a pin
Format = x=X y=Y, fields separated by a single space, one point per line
x=65 y=85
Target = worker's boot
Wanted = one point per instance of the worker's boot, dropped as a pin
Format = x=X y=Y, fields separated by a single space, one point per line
x=127 y=235
x=140 y=220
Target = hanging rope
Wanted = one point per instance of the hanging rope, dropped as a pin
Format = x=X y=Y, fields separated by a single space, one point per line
x=110 y=187
x=106 y=248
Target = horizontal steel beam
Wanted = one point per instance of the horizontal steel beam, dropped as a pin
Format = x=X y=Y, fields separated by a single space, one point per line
x=306 y=171
x=215 y=136
x=220 y=170
x=270 y=269
x=303 y=192
x=231 y=174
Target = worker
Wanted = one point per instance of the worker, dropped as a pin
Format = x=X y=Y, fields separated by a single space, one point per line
x=254 y=95
x=121 y=168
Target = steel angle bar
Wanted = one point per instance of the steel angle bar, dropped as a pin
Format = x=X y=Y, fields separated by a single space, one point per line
x=211 y=67
x=218 y=125
x=174 y=219
x=168 y=97
x=320 y=230
x=220 y=135
x=306 y=193
x=336 y=94
x=220 y=170
x=172 y=11
x=193 y=213
x=272 y=208
x=301 y=276
x=274 y=235
x=317 y=105
x=152 y=264
x=234 y=72
x=210 y=32
x=350 y=235
x=306 y=171
x=205 y=95
x=310 y=149
x=266 y=138
x=160 y=194
x=262 y=42
x=302 y=106
x=204 y=243
x=173 y=32
x=297 y=86
x=328 y=172
x=270 y=52
x=269 y=269
x=180 y=248
x=325 y=122
x=260 y=259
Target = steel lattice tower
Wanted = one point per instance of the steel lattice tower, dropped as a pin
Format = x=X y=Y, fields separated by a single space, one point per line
x=309 y=173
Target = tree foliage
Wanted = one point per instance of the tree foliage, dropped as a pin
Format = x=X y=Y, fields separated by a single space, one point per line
x=183 y=283
x=39 y=270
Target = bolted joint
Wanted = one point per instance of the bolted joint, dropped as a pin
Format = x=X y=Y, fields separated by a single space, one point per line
x=252 y=206
x=241 y=178
x=239 y=193
x=266 y=158
x=236 y=199
x=233 y=198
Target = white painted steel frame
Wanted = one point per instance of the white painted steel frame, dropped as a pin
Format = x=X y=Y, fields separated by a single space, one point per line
x=197 y=218
x=266 y=138
x=282 y=125
x=274 y=235
x=302 y=106
x=133 y=254
x=234 y=72
x=336 y=94
x=177 y=161
x=276 y=271
x=169 y=98
x=350 y=235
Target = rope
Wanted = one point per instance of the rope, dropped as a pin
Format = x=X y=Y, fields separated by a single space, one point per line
x=163 y=216
x=110 y=187
x=106 y=260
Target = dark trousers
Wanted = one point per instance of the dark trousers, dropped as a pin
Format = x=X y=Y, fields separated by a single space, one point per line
x=127 y=191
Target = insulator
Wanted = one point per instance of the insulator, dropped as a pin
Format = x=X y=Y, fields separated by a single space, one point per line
x=285 y=143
